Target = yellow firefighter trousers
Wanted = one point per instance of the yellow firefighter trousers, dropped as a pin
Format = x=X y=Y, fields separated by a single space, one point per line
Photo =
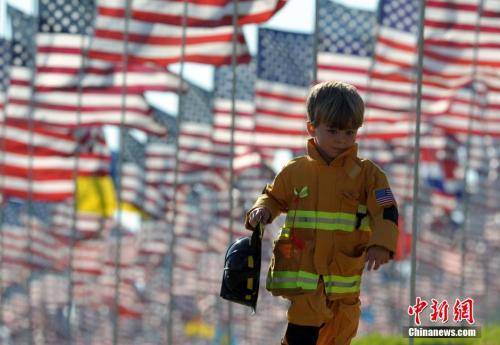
x=339 y=317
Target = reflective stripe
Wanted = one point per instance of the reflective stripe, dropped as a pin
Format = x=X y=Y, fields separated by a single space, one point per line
x=362 y=209
x=342 y=284
x=250 y=261
x=292 y=280
x=365 y=224
x=321 y=220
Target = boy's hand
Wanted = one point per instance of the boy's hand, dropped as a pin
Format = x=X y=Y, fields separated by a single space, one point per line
x=260 y=214
x=376 y=257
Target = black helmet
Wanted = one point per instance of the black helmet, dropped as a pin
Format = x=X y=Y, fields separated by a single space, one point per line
x=240 y=281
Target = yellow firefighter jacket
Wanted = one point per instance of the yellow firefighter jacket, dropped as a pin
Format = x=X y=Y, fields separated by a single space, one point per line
x=334 y=212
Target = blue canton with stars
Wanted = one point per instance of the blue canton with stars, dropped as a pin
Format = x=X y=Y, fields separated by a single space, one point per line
x=66 y=16
x=13 y=209
x=4 y=64
x=23 y=33
x=345 y=30
x=402 y=15
x=245 y=82
x=197 y=105
x=133 y=150
x=285 y=57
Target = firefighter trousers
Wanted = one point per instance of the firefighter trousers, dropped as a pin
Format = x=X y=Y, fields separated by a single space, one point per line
x=336 y=319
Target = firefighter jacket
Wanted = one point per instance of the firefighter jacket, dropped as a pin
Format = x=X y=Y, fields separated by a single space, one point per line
x=334 y=213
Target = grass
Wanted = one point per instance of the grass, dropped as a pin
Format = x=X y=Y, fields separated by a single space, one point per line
x=490 y=335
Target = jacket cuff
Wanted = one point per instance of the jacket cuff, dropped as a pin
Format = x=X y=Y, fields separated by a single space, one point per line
x=268 y=203
x=384 y=234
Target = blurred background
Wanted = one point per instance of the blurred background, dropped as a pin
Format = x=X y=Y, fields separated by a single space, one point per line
x=136 y=134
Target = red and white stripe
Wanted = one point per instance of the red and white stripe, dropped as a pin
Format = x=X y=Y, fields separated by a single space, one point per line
x=31 y=245
x=208 y=13
x=280 y=115
x=45 y=166
x=448 y=59
x=60 y=58
x=153 y=41
x=87 y=224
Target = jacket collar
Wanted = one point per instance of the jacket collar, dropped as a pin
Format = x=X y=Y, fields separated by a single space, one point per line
x=347 y=159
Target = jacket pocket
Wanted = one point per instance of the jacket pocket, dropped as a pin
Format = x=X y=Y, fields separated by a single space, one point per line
x=344 y=274
x=288 y=273
x=285 y=256
x=345 y=265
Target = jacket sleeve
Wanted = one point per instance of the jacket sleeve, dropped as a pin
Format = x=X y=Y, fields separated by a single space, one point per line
x=382 y=211
x=274 y=197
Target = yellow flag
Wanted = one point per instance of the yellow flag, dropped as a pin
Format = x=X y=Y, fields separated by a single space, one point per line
x=96 y=194
x=198 y=328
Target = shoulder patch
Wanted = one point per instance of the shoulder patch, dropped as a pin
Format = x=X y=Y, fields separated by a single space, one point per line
x=384 y=197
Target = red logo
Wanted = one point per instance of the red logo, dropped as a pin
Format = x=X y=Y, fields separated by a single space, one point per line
x=417 y=309
x=462 y=310
x=439 y=311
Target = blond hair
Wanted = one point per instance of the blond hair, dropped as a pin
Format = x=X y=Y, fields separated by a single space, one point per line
x=335 y=103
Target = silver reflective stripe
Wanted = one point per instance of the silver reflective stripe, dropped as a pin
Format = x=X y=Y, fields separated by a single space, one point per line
x=324 y=220
x=292 y=280
x=343 y=284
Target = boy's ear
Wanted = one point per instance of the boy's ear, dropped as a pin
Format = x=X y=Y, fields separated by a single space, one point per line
x=311 y=130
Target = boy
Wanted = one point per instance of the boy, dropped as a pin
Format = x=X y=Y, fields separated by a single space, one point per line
x=340 y=213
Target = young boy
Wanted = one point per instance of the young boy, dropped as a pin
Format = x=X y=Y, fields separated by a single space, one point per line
x=340 y=214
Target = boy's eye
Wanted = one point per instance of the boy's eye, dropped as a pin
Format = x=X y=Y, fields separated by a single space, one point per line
x=350 y=132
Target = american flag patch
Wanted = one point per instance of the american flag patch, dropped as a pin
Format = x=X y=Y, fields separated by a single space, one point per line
x=384 y=197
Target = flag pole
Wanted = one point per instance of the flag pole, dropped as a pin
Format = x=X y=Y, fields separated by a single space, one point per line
x=315 y=43
x=31 y=128
x=73 y=239
x=3 y=131
x=231 y=146
x=466 y=201
x=416 y=159
x=180 y=114
x=118 y=227
x=368 y=96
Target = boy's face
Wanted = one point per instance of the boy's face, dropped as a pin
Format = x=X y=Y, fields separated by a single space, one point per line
x=331 y=141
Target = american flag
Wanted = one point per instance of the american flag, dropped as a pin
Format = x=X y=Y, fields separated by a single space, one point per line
x=448 y=84
x=27 y=241
x=129 y=301
x=199 y=14
x=244 y=107
x=199 y=150
x=152 y=41
x=346 y=40
x=284 y=74
x=390 y=94
x=384 y=197
x=136 y=189
x=63 y=36
x=346 y=43
x=22 y=60
x=450 y=46
x=88 y=225
x=4 y=72
x=42 y=162
x=60 y=106
x=153 y=239
x=247 y=151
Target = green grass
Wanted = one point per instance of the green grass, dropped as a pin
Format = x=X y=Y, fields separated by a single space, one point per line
x=490 y=335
